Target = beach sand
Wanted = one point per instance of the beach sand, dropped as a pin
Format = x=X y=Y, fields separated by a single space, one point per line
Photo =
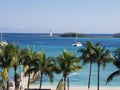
x=77 y=88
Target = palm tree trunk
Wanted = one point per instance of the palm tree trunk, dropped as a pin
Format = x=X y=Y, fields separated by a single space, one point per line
x=8 y=84
x=64 y=82
x=98 y=76
x=90 y=74
x=3 y=87
x=68 y=81
x=28 y=81
x=15 y=78
x=41 y=80
x=7 y=79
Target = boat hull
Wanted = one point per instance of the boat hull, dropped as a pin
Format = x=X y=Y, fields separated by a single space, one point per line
x=78 y=44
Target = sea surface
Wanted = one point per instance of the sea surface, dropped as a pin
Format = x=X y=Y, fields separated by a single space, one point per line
x=55 y=45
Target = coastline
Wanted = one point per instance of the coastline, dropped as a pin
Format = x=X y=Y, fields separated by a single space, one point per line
x=52 y=87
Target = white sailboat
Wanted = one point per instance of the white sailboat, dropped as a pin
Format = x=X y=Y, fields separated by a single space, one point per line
x=77 y=44
x=2 y=43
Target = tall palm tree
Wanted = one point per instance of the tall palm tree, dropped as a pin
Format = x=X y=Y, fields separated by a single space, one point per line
x=6 y=57
x=46 y=66
x=15 y=61
x=87 y=57
x=116 y=62
x=102 y=56
x=28 y=57
x=67 y=63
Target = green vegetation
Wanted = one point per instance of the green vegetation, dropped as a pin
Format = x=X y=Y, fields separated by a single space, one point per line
x=116 y=62
x=101 y=56
x=28 y=60
x=95 y=53
x=67 y=63
x=11 y=56
x=72 y=35
x=46 y=66
x=117 y=35
x=87 y=57
x=7 y=56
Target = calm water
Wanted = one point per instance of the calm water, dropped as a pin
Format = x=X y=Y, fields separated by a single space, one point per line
x=55 y=45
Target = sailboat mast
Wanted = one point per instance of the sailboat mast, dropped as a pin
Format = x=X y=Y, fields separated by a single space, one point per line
x=76 y=38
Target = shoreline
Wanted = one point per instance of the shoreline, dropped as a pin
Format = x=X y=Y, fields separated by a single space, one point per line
x=52 y=87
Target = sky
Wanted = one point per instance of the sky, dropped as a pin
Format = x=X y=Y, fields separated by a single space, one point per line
x=39 y=16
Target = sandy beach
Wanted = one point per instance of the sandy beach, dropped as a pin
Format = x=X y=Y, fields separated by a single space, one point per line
x=77 y=88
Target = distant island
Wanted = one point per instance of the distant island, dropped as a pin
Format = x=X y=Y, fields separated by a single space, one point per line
x=72 y=34
x=117 y=35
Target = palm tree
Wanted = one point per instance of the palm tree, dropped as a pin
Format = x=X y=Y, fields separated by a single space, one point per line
x=6 y=57
x=46 y=66
x=15 y=61
x=116 y=62
x=3 y=76
x=28 y=57
x=87 y=57
x=102 y=56
x=67 y=63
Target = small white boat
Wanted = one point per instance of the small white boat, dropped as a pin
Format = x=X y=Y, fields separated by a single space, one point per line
x=77 y=44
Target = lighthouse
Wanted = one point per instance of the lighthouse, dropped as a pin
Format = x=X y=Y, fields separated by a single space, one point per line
x=50 y=33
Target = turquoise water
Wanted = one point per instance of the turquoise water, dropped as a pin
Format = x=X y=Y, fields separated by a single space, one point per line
x=55 y=45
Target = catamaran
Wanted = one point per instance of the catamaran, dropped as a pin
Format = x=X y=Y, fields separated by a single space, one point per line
x=77 y=44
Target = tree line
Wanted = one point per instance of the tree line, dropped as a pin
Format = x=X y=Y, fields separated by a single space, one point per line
x=72 y=34
x=12 y=56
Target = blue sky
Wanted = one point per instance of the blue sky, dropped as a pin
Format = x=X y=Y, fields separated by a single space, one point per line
x=39 y=16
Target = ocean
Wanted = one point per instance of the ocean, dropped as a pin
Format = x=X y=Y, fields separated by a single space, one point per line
x=55 y=45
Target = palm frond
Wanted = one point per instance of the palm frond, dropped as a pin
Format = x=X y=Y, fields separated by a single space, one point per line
x=117 y=53
x=117 y=62
x=111 y=76
x=81 y=50
x=51 y=76
x=74 y=68
x=85 y=61
x=60 y=85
